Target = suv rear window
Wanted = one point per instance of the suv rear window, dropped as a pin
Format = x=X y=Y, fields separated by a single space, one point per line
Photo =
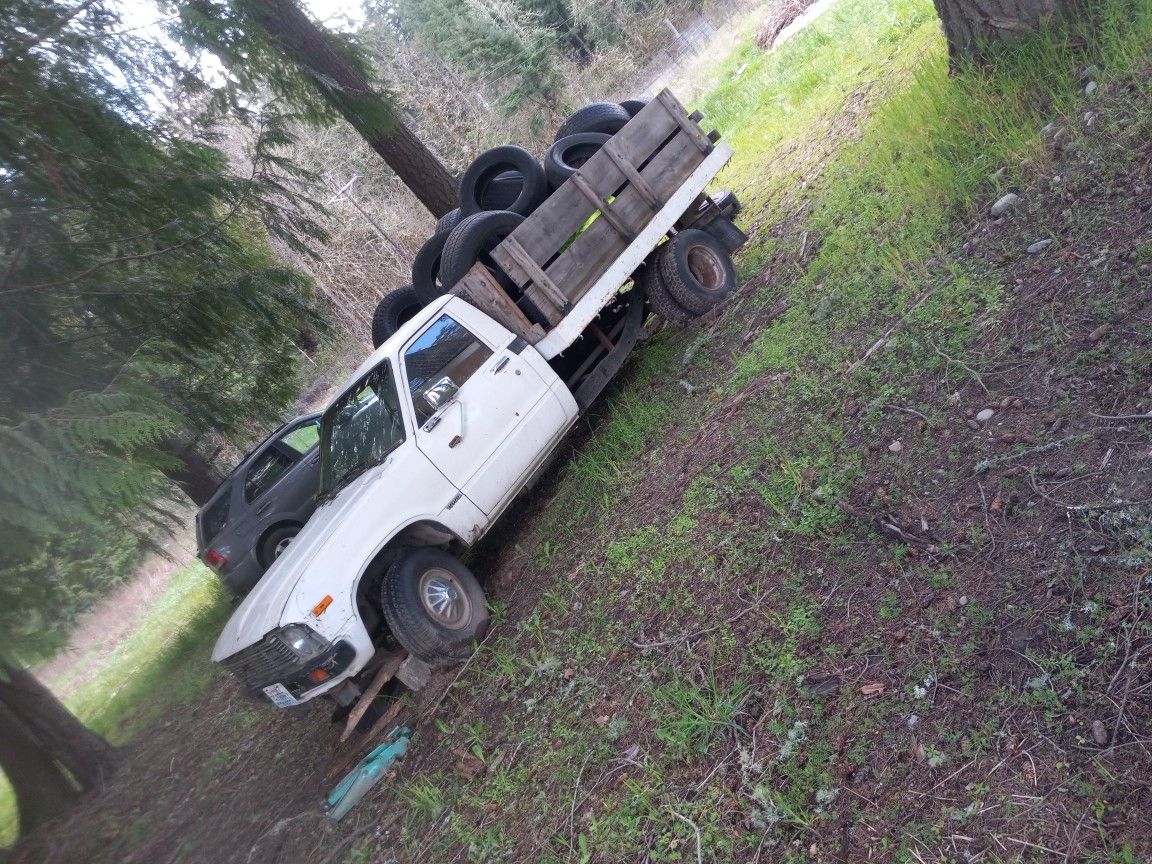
x=214 y=517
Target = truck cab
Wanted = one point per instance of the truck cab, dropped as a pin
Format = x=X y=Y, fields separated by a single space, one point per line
x=427 y=444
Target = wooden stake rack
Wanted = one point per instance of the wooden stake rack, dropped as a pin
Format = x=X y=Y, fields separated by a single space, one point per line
x=563 y=248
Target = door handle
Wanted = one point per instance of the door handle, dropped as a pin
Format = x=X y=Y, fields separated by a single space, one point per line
x=315 y=460
x=263 y=508
x=500 y=364
x=432 y=424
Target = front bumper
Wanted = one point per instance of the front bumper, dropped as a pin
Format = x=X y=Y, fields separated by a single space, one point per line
x=267 y=663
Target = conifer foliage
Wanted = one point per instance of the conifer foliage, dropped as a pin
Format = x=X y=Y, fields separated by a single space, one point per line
x=140 y=308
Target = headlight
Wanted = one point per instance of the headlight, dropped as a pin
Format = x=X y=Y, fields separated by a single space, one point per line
x=302 y=640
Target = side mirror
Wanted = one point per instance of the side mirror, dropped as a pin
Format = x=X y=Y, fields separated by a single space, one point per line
x=440 y=394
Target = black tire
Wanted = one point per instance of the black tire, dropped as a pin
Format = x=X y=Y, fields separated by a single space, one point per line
x=449 y=220
x=426 y=268
x=395 y=309
x=473 y=240
x=696 y=269
x=502 y=192
x=569 y=154
x=486 y=178
x=727 y=232
x=274 y=543
x=409 y=596
x=633 y=106
x=659 y=300
x=607 y=118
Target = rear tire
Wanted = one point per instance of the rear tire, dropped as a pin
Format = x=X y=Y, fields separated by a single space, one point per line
x=659 y=300
x=434 y=606
x=394 y=310
x=697 y=270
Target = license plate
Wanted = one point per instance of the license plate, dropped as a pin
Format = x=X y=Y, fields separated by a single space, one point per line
x=280 y=696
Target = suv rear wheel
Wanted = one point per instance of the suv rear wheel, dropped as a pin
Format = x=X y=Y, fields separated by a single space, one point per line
x=275 y=542
x=434 y=606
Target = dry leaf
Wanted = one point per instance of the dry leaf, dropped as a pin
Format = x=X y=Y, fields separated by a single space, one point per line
x=917 y=750
x=568 y=672
x=873 y=688
x=997 y=504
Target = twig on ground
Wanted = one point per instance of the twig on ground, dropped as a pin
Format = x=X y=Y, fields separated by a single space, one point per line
x=887 y=526
x=1123 y=702
x=575 y=792
x=463 y=668
x=696 y=828
x=963 y=366
x=1115 y=505
x=643 y=646
x=883 y=340
x=1122 y=417
x=986 y=465
x=911 y=411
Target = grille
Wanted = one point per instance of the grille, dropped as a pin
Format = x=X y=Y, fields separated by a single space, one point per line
x=264 y=663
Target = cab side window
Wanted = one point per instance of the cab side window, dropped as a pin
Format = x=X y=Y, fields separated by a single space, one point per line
x=438 y=363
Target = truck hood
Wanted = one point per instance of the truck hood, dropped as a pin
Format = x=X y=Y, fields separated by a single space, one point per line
x=267 y=606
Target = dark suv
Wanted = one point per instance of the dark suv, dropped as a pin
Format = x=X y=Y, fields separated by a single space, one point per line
x=254 y=514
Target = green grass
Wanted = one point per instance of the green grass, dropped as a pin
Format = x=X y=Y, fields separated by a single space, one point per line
x=159 y=668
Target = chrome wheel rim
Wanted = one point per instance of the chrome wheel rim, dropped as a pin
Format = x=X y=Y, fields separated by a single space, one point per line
x=706 y=268
x=280 y=547
x=444 y=599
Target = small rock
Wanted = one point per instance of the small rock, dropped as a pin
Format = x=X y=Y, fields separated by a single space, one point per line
x=1006 y=402
x=1099 y=333
x=963 y=601
x=1017 y=403
x=1047 y=132
x=1091 y=88
x=954 y=399
x=1039 y=246
x=1090 y=73
x=895 y=447
x=972 y=424
x=985 y=415
x=1099 y=732
x=913 y=721
x=1089 y=119
x=1005 y=204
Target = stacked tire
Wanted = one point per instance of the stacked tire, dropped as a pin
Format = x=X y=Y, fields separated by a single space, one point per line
x=505 y=184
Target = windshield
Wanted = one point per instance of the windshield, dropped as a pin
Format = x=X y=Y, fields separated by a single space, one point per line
x=360 y=429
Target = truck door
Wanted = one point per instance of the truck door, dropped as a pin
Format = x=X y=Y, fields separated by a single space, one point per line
x=483 y=415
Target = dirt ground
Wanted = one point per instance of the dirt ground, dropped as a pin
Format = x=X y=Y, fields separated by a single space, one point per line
x=987 y=567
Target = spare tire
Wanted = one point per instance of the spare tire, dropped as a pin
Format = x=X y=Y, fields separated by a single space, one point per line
x=449 y=220
x=426 y=268
x=502 y=192
x=633 y=106
x=473 y=240
x=485 y=181
x=394 y=310
x=569 y=154
x=607 y=118
x=696 y=269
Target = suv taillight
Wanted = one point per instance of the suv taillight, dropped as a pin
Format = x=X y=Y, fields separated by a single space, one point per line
x=215 y=560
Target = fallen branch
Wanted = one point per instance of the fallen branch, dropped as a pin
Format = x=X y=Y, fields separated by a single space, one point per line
x=886 y=526
x=644 y=646
x=696 y=828
x=986 y=465
x=963 y=366
x=1147 y=416
x=883 y=340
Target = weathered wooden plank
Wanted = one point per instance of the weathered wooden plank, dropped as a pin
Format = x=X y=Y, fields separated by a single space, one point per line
x=383 y=676
x=539 y=277
x=676 y=112
x=603 y=206
x=585 y=260
x=633 y=176
x=552 y=225
x=482 y=291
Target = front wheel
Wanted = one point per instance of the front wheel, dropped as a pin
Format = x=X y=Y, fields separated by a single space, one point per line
x=434 y=606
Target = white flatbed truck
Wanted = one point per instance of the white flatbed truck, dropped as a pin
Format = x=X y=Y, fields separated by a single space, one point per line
x=459 y=411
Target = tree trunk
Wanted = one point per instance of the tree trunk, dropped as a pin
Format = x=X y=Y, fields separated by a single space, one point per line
x=87 y=756
x=344 y=86
x=196 y=476
x=42 y=790
x=971 y=25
